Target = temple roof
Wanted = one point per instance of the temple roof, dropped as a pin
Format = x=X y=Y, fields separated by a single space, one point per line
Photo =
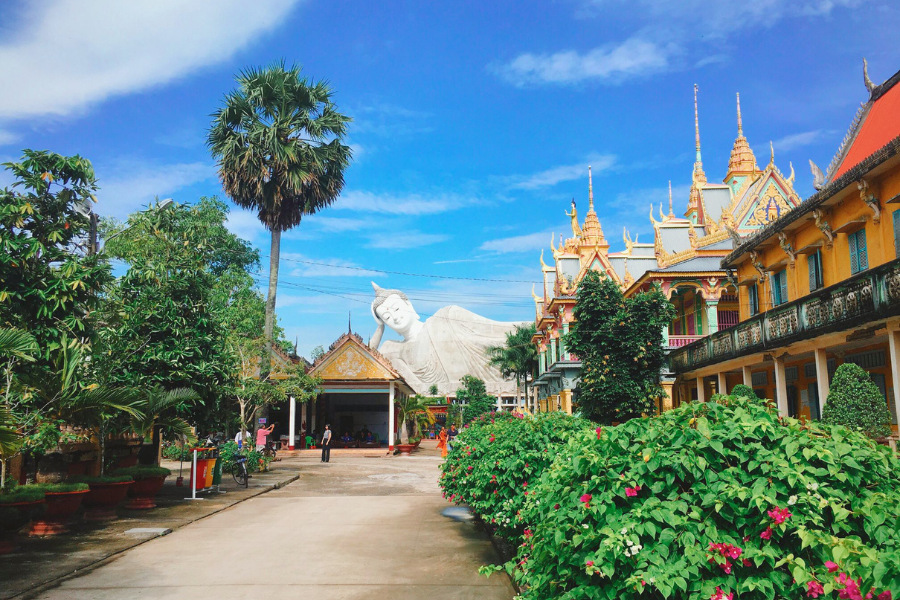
x=350 y=359
x=876 y=124
x=742 y=159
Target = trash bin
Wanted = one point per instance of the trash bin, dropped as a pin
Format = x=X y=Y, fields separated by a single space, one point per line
x=211 y=460
x=199 y=479
x=217 y=471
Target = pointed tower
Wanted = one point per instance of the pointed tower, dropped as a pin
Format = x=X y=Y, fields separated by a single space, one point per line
x=695 y=204
x=742 y=162
x=591 y=232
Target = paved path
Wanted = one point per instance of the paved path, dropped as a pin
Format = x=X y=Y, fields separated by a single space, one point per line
x=355 y=528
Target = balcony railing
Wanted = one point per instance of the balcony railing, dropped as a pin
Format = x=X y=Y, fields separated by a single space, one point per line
x=865 y=297
x=677 y=341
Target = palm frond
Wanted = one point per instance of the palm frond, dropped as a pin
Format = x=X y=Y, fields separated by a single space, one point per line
x=10 y=438
x=17 y=343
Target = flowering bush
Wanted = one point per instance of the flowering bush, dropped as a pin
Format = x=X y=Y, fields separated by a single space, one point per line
x=498 y=457
x=714 y=501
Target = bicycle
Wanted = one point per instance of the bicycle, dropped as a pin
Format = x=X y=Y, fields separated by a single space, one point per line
x=239 y=471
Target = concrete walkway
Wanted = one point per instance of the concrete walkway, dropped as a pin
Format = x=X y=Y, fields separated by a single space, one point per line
x=358 y=527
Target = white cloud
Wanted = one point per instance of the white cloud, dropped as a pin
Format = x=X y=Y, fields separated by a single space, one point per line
x=388 y=120
x=405 y=239
x=105 y=48
x=305 y=266
x=633 y=57
x=519 y=243
x=246 y=225
x=7 y=137
x=552 y=176
x=335 y=224
x=398 y=204
x=799 y=140
x=133 y=184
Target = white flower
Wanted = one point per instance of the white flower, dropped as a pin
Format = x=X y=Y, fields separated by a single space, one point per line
x=653 y=580
x=624 y=530
x=812 y=486
x=585 y=526
x=792 y=500
x=629 y=543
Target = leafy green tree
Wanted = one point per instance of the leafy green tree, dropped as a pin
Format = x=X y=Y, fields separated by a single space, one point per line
x=412 y=410
x=49 y=283
x=743 y=391
x=278 y=144
x=517 y=358
x=474 y=398
x=856 y=403
x=15 y=346
x=620 y=343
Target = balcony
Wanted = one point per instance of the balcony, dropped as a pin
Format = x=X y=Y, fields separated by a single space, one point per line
x=677 y=341
x=865 y=297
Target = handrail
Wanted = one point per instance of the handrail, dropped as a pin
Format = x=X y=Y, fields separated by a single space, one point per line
x=866 y=296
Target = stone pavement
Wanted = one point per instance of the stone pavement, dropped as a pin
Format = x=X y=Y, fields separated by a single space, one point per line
x=358 y=527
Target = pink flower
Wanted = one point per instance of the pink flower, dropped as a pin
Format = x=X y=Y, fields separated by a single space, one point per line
x=814 y=589
x=589 y=563
x=599 y=431
x=832 y=567
x=767 y=534
x=851 y=590
x=586 y=499
x=885 y=595
x=631 y=492
x=748 y=563
x=492 y=437
x=720 y=595
x=556 y=507
x=528 y=533
x=779 y=515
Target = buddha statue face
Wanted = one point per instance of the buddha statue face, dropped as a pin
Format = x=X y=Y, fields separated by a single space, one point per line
x=398 y=314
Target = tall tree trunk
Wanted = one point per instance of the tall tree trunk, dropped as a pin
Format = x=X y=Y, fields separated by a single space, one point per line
x=265 y=364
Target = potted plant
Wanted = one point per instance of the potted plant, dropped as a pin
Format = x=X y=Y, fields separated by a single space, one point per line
x=62 y=499
x=18 y=507
x=411 y=409
x=148 y=480
x=105 y=493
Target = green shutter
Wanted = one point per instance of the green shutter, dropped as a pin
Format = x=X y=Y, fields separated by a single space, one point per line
x=863 y=259
x=811 y=263
x=783 y=283
x=897 y=233
x=854 y=257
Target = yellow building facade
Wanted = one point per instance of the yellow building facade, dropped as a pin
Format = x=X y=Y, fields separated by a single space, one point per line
x=820 y=286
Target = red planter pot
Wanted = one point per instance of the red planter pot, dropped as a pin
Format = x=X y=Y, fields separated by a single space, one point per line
x=405 y=449
x=142 y=492
x=60 y=506
x=127 y=461
x=14 y=517
x=101 y=501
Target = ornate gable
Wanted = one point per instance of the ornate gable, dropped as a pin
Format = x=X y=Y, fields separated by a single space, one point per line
x=350 y=359
x=766 y=200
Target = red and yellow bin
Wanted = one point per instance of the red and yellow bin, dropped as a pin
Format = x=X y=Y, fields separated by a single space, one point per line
x=210 y=470
x=204 y=469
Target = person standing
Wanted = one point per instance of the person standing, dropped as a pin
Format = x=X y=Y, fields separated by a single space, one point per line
x=261 y=434
x=326 y=444
x=442 y=442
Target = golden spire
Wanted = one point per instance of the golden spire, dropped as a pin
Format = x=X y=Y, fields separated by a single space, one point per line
x=592 y=233
x=671 y=212
x=699 y=175
x=742 y=159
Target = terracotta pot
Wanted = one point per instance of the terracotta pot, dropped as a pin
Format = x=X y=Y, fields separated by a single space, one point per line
x=102 y=499
x=60 y=506
x=405 y=449
x=14 y=517
x=143 y=491
x=127 y=461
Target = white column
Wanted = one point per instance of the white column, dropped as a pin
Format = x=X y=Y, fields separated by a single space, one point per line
x=822 y=384
x=292 y=423
x=748 y=376
x=722 y=384
x=701 y=390
x=391 y=417
x=780 y=387
x=894 y=347
x=312 y=418
x=499 y=402
x=712 y=316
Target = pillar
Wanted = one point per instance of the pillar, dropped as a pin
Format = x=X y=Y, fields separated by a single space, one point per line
x=822 y=384
x=748 y=376
x=552 y=351
x=701 y=390
x=542 y=360
x=780 y=387
x=721 y=383
x=667 y=400
x=712 y=316
x=894 y=347
x=665 y=332
x=292 y=423
x=312 y=418
x=566 y=401
x=563 y=354
x=391 y=435
x=499 y=402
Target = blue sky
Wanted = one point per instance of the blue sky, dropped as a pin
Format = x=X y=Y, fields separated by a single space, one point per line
x=474 y=121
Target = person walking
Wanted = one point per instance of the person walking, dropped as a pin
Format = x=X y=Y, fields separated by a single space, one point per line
x=442 y=442
x=326 y=444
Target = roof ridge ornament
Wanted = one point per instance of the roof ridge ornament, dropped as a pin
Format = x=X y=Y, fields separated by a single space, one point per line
x=740 y=124
x=772 y=154
x=671 y=212
x=818 y=175
x=869 y=85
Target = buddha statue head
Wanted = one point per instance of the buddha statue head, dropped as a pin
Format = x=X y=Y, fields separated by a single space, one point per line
x=393 y=308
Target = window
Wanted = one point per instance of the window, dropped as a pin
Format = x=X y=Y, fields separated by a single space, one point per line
x=897 y=232
x=859 y=259
x=753 y=295
x=779 y=288
x=816 y=280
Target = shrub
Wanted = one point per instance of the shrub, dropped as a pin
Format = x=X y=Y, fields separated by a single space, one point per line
x=173 y=452
x=856 y=403
x=25 y=493
x=59 y=488
x=711 y=497
x=498 y=457
x=475 y=398
x=743 y=391
x=100 y=479
x=255 y=460
x=139 y=472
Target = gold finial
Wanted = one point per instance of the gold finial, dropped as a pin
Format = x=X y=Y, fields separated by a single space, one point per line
x=662 y=217
x=652 y=220
x=772 y=154
x=790 y=180
x=699 y=175
x=552 y=240
x=533 y=295
x=740 y=125
x=543 y=264
x=590 y=189
x=671 y=212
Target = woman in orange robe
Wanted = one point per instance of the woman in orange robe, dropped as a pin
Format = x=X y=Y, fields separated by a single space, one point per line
x=442 y=442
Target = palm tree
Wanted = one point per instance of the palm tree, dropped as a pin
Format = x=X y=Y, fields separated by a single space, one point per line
x=277 y=143
x=15 y=345
x=412 y=408
x=517 y=358
x=156 y=408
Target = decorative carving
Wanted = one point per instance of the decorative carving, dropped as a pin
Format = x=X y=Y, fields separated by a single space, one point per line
x=771 y=206
x=735 y=236
x=749 y=334
x=818 y=175
x=823 y=226
x=576 y=228
x=866 y=195
x=699 y=353
x=692 y=235
x=869 y=85
x=721 y=344
x=757 y=264
x=787 y=247
x=783 y=324
x=652 y=220
x=629 y=244
x=892 y=282
x=847 y=302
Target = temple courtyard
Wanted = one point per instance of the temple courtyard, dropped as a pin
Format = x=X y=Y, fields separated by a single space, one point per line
x=361 y=526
